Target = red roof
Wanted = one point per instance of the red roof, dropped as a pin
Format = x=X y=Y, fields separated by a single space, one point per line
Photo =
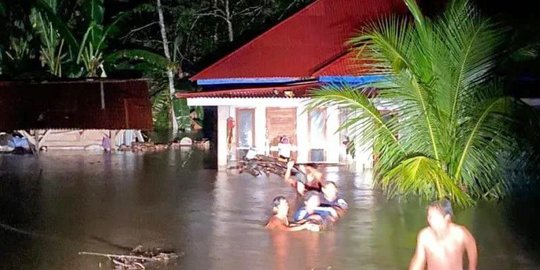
x=345 y=65
x=292 y=91
x=302 y=44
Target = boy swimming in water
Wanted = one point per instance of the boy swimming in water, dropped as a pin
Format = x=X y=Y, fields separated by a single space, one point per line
x=280 y=221
x=307 y=177
x=442 y=244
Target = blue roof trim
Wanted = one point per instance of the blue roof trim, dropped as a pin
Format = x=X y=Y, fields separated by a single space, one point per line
x=270 y=80
x=353 y=80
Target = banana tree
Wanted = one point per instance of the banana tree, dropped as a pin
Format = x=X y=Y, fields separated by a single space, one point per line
x=90 y=52
x=452 y=134
x=52 y=52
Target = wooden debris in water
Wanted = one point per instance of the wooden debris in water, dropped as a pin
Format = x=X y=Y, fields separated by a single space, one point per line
x=203 y=144
x=263 y=164
x=138 y=258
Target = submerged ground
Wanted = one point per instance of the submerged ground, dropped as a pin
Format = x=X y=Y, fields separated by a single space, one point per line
x=61 y=203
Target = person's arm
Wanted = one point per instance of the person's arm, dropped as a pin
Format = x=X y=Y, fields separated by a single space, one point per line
x=318 y=176
x=470 y=246
x=300 y=188
x=287 y=176
x=305 y=226
x=418 y=261
x=341 y=203
x=328 y=209
x=276 y=224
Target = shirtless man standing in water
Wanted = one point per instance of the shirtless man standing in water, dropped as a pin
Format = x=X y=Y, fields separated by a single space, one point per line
x=441 y=245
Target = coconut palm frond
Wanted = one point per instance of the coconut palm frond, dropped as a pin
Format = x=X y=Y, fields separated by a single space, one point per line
x=483 y=139
x=385 y=44
x=365 y=122
x=422 y=176
x=467 y=59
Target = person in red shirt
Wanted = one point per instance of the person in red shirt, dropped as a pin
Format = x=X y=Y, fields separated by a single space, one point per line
x=279 y=220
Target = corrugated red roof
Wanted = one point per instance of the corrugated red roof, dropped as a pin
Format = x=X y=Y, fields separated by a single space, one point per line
x=293 y=91
x=346 y=65
x=302 y=44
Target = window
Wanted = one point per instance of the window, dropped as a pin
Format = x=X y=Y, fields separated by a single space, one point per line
x=245 y=130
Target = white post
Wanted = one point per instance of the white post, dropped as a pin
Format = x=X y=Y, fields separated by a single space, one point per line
x=223 y=114
x=332 y=137
x=302 y=135
x=260 y=129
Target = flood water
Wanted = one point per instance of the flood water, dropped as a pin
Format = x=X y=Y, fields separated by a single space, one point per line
x=66 y=202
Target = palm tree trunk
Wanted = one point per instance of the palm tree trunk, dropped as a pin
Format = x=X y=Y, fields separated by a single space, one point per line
x=170 y=75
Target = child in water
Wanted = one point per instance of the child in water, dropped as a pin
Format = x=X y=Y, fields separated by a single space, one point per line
x=331 y=199
x=280 y=221
x=312 y=210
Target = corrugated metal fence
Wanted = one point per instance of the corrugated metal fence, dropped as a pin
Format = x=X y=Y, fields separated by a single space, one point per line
x=89 y=104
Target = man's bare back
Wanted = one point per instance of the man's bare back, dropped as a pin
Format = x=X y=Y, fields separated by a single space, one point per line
x=441 y=246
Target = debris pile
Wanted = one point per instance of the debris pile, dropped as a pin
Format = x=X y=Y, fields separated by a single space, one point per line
x=138 y=258
x=153 y=147
x=259 y=164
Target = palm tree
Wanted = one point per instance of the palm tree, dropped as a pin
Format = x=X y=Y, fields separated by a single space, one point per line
x=452 y=128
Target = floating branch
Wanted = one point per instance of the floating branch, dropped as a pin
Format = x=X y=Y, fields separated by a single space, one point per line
x=136 y=259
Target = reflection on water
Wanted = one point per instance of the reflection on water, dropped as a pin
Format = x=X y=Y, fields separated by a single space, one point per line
x=66 y=202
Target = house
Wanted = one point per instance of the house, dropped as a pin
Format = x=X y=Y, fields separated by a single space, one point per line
x=74 y=114
x=260 y=89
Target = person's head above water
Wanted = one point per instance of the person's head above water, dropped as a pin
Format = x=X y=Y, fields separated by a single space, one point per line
x=330 y=190
x=280 y=205
x=312 y=200
x=439 y=214
x=310 y=169
x=311 y=166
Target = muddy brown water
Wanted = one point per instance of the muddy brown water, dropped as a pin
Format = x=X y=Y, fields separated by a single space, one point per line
x=65 y=202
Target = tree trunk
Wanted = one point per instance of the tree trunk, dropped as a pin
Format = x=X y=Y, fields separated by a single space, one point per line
x=230 y=30
x=229 y=21
x=170 y=75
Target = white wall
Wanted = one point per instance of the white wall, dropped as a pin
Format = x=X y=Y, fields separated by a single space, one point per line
x=260 y=129
x=332 y=137
x=302 y=126
x=223 y=114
